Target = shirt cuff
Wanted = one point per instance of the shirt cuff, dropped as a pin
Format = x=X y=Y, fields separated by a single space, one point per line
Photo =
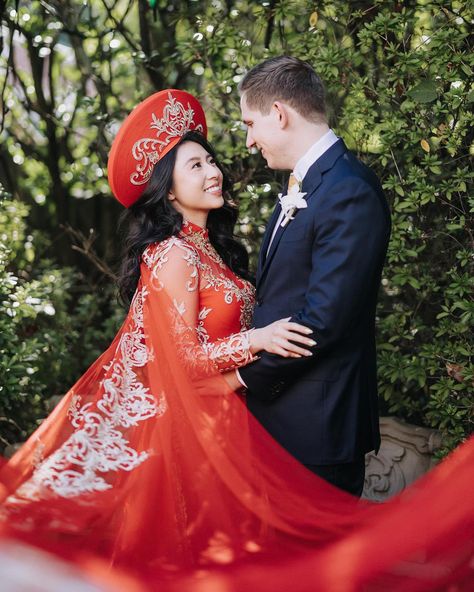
x=239 y=378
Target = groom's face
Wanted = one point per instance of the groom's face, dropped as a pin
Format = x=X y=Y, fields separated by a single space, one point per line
x=263 y=133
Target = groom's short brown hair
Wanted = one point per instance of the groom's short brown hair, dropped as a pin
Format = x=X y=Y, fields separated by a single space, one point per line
x=287 y=79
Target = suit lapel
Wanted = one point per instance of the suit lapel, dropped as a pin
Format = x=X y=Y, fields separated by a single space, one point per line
x=266 y=239
x=311 y=182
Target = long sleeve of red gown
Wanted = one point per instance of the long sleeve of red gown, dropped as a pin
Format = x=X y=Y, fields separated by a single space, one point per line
x=207 y=297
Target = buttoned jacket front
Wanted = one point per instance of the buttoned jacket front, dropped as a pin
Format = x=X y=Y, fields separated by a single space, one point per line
x=323 y=269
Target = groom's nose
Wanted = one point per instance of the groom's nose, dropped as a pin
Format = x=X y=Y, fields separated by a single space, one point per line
x=250 y=141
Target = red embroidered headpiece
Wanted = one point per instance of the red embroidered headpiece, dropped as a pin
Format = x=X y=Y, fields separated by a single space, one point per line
x=151 y=130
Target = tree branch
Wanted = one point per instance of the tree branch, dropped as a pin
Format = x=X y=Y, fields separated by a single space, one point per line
x=11 y=27
x=155 y=76
x=85 y=245
x=120 y=26
x=270 y=24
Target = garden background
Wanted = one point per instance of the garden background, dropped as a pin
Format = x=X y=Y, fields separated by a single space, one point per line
x=400 y=89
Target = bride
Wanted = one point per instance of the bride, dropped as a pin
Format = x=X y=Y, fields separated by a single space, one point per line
x=151 y=461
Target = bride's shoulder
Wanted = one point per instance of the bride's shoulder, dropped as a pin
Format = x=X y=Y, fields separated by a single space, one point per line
x=171 y=249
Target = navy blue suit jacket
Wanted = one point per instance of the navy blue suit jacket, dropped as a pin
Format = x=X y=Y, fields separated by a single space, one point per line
x=323 y=269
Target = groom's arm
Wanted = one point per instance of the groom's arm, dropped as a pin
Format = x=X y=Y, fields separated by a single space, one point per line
x=351 y=235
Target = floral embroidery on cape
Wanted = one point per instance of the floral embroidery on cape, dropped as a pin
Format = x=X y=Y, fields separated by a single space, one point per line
x=98 y=445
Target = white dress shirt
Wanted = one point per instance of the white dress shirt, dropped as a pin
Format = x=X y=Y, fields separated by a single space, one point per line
x=301 y=168
x=304 y=164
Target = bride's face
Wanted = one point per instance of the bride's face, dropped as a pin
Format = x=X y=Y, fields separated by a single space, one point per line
x=197 y=183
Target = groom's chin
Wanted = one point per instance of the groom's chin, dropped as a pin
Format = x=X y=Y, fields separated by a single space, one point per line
x=273 y=163
x=268 y=160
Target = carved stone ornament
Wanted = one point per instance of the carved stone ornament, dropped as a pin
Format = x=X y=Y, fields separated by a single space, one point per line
x=405 y=454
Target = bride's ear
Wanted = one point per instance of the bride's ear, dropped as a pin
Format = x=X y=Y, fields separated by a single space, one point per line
x=171 y=195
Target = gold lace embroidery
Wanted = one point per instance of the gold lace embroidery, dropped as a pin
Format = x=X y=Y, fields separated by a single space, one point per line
x=244 y=295
x=229 y=352
x=231 y=290
x=204 y=245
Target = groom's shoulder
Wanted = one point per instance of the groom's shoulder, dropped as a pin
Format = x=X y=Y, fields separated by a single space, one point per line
x=349 y=169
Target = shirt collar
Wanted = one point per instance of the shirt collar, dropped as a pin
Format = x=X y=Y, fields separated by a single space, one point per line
x=313 y=154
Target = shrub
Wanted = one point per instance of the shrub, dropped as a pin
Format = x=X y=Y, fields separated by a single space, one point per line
x=49 y=330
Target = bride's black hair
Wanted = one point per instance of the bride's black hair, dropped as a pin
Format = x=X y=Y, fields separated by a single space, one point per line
x=153 y=219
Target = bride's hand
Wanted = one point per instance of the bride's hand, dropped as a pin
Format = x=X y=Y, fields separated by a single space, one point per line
x=282 y=337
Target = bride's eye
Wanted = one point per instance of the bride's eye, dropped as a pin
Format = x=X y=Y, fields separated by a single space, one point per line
x=196 y=164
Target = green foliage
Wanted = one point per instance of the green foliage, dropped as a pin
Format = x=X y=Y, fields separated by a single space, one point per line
x=400 y=92
x=48 y=334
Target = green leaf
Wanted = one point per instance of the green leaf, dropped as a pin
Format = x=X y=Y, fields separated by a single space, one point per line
x=414 y=283
x=424 y=92
x=403 y=205
x=399 y=190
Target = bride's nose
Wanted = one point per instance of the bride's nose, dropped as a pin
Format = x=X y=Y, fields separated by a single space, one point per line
x=212 y=172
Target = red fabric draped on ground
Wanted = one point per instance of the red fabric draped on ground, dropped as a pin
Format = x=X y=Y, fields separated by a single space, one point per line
x=151 y=464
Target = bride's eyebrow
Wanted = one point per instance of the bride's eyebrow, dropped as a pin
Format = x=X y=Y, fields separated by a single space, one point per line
x=191 y=159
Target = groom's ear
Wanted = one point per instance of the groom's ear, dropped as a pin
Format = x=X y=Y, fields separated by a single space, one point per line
x=281 y=113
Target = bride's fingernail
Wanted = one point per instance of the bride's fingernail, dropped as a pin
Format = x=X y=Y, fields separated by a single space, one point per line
x=308 y=331
x=311 y=342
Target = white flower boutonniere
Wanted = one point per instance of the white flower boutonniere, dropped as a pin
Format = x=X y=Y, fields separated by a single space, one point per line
x=291 y=202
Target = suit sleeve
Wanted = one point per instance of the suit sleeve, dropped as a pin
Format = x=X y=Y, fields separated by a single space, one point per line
x=351 y=230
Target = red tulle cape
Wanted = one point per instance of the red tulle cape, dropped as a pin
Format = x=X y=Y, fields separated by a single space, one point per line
x=169 y=480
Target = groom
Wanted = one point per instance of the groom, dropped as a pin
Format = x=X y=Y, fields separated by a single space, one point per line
x=320 y=263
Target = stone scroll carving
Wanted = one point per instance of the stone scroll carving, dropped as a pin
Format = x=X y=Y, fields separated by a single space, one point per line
x=406 y=453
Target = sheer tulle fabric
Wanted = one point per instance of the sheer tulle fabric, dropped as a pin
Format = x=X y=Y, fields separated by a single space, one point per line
x=153 y=465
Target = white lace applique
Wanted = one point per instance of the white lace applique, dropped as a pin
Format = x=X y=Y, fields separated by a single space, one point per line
x=176 y=121
x=98 y=445
x=156 y=256
x=201 y=329
x=210 y=279
x=38 y=454
x=231 y=290
x=179 y=306
x=226 y=353
x=231 y=352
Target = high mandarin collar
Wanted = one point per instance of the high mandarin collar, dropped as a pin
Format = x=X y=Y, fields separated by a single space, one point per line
x=189 y=228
